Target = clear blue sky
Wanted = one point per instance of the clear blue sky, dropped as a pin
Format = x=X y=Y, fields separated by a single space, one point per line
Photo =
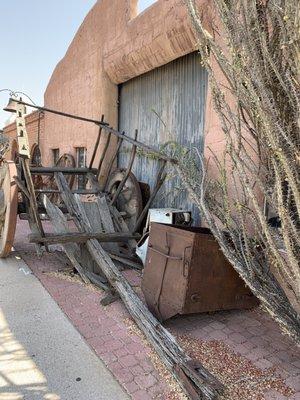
x=34 y=36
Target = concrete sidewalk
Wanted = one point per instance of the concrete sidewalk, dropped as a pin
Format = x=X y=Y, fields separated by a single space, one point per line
x=42 y=356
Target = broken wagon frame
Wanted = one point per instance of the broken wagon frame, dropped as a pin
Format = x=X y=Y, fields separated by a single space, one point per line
x=194 y=379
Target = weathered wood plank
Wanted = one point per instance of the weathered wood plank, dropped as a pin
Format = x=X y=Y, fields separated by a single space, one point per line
x=92 y=212
x=111 y=297
x=96 y=144
x=122 y=226
x=103 y=154
x=78 y=191
x=126 y=261
x=127 y=173
x=112 y=161
x=98 y=281
x=107 y=222
x=193 y=377
x=78 y=237
x=43 y=216
x=65 y=170
x=60 y=225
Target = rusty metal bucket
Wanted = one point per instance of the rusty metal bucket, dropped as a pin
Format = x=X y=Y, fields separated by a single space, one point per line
x=186 y=272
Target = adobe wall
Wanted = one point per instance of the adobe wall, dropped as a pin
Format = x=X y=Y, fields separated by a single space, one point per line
x=112 y=45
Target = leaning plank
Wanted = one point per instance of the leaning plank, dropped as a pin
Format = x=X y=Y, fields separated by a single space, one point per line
x=78 y=237
x=112 y=161
x=72 y=250
x=91 y=210
x=60 y=225
x=121 y=225
x=107 y=221
x=193 y=377
x=127 y=173
x=103 y=154
x=97 y=280
x=129 y=262
x=96 y=144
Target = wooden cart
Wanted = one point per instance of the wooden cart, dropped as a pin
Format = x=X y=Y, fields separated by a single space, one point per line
x=99 y=227
x=23 y=185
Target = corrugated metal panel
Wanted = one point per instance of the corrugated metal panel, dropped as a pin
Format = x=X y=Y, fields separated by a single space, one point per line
x=177 y=93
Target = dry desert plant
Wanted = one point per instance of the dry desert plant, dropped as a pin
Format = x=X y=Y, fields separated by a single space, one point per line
x=253 y=204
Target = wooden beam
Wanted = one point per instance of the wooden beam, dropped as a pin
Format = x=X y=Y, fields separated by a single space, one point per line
x=97 y=280
x=65 y=170
x=148 y=149
x=126 y=261
x=103 y=155
x=96 y=144
x=112 y=161
x=78 y=191
x=78 y=237
x=127 y=172
x=121 y=225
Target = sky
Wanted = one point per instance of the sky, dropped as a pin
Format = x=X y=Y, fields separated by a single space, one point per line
x=35 y=36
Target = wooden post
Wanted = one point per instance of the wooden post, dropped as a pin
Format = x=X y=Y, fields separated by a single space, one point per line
x=127 y=173
x=96 y=144
x=103 y=155
x=111 y=164
x=161 y=176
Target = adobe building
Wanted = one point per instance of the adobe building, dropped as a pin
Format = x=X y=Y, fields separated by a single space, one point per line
x=141 y=71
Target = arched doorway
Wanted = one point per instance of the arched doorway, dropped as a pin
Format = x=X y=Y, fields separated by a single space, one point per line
x=35 y=155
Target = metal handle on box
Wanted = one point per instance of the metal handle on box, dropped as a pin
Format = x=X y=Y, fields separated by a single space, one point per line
x=163 y=254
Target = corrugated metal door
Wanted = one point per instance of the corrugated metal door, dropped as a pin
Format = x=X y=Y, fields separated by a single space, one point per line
x=166 y=104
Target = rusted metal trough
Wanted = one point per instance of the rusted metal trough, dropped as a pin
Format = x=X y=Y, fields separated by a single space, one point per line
x=186 y=273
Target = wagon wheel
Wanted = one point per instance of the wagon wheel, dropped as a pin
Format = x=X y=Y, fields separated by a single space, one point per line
x=8 y=206
x=129 y=202
x=67 y=161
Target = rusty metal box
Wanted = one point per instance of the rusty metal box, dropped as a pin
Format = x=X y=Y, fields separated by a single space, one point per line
x=186 y=272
